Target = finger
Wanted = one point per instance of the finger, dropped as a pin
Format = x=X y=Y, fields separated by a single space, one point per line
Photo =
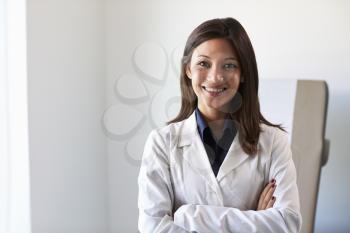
x=268 y=196
x=271 y=202
x=264 y=193
x=262 y=196
x=268 y=186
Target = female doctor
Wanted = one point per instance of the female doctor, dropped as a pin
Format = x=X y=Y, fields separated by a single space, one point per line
x=219 y=166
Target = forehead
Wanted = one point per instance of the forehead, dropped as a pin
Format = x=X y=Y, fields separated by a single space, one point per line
x=215 y=47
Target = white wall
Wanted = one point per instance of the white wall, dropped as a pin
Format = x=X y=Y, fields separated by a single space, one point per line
x=292 y=40
x=66 y=101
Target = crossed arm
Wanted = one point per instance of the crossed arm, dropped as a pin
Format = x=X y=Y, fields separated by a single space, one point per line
x=161 y=220
x=156 y=200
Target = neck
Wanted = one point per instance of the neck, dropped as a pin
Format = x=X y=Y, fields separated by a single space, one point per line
x=214 y=118
x=213 y=115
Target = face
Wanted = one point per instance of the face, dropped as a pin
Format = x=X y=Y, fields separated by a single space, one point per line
x=215 y=75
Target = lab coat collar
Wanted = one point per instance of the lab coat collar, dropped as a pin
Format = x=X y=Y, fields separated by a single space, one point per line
x=194 y=153
x=197 y=157
x=188 y=131
x=235 y=157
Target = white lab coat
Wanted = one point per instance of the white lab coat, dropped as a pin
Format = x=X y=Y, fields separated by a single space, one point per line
x=178 y=191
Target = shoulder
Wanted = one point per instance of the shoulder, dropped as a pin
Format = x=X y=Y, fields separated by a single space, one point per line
x=272 y=137
x=168 y=133
x=160 y=141
x=268 y=131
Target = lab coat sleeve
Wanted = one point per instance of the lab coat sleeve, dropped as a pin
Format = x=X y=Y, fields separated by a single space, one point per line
x=284 y=216
x=155 y=200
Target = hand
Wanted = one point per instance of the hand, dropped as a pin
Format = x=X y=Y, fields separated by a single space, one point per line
x=267 y=199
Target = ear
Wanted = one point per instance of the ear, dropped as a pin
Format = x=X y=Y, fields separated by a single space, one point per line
x=242 y=79
x=188 y=71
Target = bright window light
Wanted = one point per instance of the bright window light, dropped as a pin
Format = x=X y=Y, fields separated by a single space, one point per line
x=14 y=155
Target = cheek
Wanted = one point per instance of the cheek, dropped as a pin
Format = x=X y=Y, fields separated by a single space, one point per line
x=198 y=71
x=199 y=77
x=196 y=85
x=235 y=81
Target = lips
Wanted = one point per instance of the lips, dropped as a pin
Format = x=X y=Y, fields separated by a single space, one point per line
x=214 y=92
x=214 y=89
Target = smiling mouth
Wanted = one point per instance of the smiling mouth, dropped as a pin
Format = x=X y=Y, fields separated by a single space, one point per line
x=214 y=90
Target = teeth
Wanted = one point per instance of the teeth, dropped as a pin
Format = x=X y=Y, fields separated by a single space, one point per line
x=214 y=89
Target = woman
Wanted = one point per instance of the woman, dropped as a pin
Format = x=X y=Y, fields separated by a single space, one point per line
x=207 y=170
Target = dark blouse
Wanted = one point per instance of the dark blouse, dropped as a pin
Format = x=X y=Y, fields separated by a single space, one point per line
x=216 y=151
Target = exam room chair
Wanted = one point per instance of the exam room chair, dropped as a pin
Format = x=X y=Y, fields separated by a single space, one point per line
x=309 y=146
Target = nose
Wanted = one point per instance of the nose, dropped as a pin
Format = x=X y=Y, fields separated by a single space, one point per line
x=215 y=74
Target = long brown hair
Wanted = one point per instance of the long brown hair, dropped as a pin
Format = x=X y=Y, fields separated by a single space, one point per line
x=248 y=117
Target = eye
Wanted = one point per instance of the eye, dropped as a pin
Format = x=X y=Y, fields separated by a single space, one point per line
x=230 y=66
x=203 y=64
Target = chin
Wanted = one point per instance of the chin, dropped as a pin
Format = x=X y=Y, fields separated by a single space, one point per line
x=218 y=107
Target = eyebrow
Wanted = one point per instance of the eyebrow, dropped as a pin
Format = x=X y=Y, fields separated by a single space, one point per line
x=228 y=58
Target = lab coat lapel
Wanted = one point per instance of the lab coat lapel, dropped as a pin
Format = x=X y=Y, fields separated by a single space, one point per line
x=194 y=153
x=235 y=156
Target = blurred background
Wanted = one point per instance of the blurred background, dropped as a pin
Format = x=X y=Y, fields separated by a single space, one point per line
x=98 y=75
